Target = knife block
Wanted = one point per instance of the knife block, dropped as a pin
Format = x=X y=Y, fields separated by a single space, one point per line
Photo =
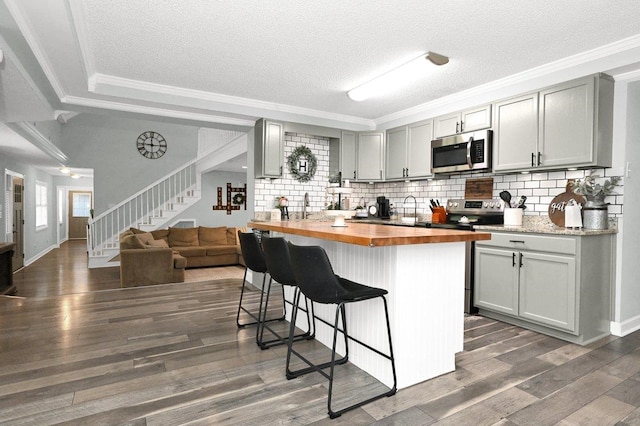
x=439 y=215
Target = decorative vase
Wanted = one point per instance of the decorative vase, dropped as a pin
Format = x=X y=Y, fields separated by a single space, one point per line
x=595 y=213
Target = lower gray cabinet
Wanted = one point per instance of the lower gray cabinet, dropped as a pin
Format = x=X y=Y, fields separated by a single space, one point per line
x=558 y=285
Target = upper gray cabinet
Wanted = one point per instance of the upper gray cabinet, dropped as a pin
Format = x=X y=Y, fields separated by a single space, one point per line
x=573 y=127
x=408 y=151
x=269 y=149
x=348 y=155
x=370 y=156
x=469 y=120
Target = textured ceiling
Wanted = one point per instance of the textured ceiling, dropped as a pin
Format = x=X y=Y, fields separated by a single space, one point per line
x=240 y=59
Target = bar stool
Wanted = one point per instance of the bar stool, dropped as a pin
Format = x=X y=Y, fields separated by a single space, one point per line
x=254 y=260
x=278 y=262
x=317 y=281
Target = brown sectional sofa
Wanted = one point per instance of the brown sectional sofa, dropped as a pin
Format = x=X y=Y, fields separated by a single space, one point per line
x=161 y=256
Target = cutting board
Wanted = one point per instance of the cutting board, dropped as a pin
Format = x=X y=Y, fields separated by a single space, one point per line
x=559 y=202
x=479 y=188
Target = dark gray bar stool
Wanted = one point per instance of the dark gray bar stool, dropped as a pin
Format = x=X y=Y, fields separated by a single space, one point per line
x=317 y=281
x=254 y=260
x=276 y=256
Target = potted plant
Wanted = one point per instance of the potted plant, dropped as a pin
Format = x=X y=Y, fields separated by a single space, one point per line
x=594 y=189
x=334 y=180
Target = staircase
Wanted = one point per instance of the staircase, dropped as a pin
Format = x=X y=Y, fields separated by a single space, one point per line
x=151 y=208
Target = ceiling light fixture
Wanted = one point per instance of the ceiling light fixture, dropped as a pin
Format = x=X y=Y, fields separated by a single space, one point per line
x=74 y=176
x=65 y=170
x=396 y=77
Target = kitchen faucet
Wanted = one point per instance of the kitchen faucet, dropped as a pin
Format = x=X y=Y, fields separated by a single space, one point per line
x=415 y=205
x=305 y=203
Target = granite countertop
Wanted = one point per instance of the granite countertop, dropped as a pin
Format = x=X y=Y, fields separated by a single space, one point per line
x=543 y=225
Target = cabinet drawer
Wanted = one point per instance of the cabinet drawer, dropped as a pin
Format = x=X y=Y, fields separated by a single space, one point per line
x=519 y=241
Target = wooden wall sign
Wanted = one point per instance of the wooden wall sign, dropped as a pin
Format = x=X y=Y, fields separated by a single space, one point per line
x=559 y=202
x=233 y=201
x=479 y=188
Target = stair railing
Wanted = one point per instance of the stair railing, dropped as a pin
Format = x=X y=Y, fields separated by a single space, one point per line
x=140 y=208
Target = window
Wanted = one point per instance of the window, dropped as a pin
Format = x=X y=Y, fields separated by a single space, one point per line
x=81 y=204
x=41 y=205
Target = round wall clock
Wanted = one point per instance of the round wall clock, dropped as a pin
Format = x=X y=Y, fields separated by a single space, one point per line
x=151 y=145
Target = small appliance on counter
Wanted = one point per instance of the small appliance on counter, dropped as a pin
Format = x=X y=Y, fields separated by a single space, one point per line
x=384 y=207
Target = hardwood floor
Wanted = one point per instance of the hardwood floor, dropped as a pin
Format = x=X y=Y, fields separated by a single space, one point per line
x=95 y=354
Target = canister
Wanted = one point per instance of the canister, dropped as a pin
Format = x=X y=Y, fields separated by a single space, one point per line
x=595 y=216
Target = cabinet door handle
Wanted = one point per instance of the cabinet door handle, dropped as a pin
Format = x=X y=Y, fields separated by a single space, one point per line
x=354 y=174
x=521 y=259
x=280 y=170
x=513 y=260
x=517 y=241
x=539 y=158
x=461 y=126
x=533 y=159
x=457 y=126
x=407 y=172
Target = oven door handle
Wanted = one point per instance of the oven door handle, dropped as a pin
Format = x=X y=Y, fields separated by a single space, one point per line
x=469 y=163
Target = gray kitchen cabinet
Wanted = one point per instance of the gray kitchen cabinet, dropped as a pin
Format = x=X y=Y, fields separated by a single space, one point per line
x=370 y=156
x=408 y=151
x=396 y=158
x=574 y=127
x=348 y=155
x=463 y=121
x=269 y=149
x=515 y=132
x=557 y=285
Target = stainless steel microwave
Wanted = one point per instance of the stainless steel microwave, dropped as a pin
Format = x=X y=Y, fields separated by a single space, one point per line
x=461 y=153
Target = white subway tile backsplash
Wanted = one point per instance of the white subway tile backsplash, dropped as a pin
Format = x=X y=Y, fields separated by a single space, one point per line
x=539 y=187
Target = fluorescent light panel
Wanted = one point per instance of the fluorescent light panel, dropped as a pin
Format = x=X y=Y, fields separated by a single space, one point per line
x=396 y=77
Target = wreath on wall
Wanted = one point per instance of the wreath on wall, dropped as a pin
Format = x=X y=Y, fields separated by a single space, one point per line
x=239 y=198
x=302 y=172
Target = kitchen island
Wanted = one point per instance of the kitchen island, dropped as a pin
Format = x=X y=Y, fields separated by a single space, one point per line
x=423 y=269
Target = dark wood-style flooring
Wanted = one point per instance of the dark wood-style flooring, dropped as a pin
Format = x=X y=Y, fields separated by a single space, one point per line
x=76 y=349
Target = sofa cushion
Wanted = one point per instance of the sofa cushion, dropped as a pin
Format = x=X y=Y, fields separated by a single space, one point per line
x=145 y=237
x=157 y=244
x=161 y=234
x=183 y=237
x=218 y=250
x=212 y=236
x=192 y=251
x=179 y=262
x=131 y=242
x=232 y=236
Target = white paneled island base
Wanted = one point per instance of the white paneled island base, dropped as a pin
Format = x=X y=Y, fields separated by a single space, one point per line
x=426 y=298
x=423 y=271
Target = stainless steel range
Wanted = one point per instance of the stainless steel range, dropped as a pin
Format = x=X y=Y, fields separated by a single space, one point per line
x=464 y=214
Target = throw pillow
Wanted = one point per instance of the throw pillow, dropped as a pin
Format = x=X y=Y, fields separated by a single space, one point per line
x=161 y=234
x=183 y=237
x=131 y=242
x=145 y=237
x=157 y=244
x=212 y=236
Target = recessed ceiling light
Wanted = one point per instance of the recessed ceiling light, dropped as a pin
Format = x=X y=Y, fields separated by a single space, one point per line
x=65 y=170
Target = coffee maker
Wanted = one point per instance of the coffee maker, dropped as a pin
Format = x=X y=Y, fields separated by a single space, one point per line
x=383 y=207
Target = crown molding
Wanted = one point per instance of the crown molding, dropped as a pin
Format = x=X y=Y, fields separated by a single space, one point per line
x=38 y=52
x=41 y=142
x=79 y=29
x=526 y=80
x=160 y=112
x=116 y=86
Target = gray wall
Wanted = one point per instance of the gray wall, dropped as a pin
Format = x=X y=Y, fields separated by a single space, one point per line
x=202 y=211
x=38 y=242
x=630 y=288
x=107 y=144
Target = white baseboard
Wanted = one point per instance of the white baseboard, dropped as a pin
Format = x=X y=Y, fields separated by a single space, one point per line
x=32 y=259
x=625 y=327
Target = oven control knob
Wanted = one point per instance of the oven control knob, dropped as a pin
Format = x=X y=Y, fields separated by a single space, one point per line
x=485 y=204
x=491 y=204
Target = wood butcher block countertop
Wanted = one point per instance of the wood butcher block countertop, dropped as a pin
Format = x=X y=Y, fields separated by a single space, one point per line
x=372 y=235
